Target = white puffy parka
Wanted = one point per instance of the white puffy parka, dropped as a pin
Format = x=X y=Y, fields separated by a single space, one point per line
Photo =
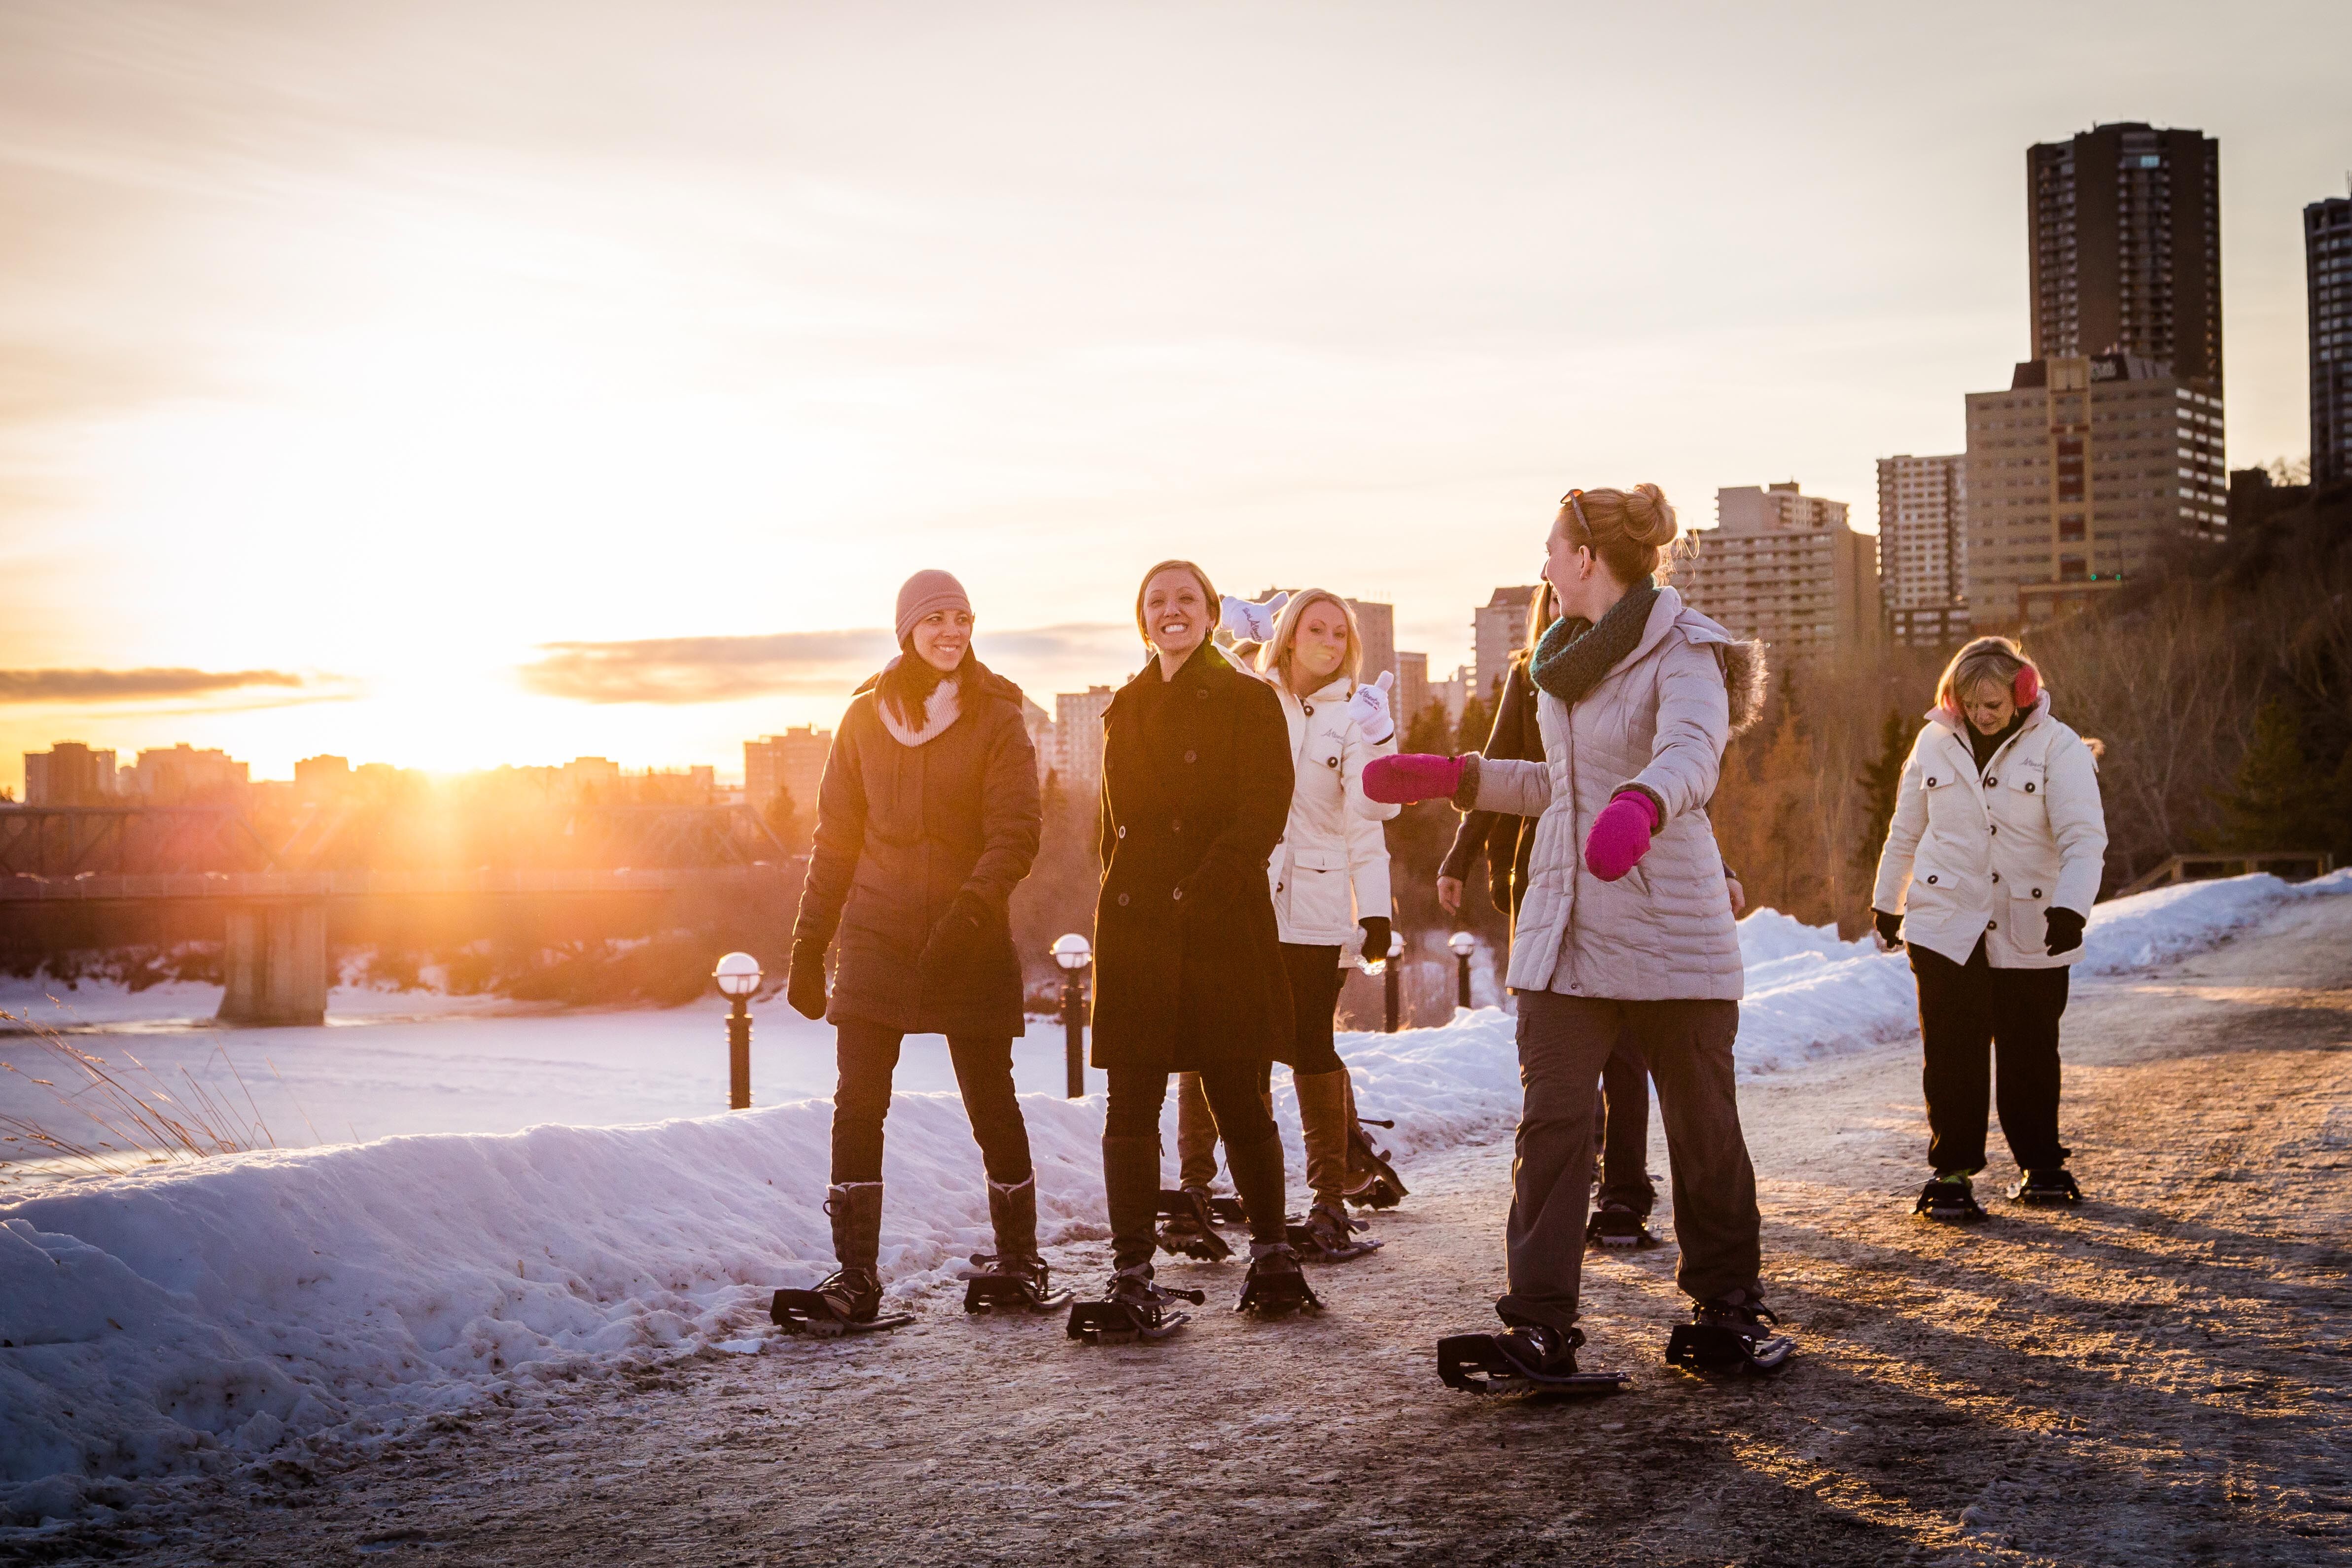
x=1331 y=868
x=1990 y=856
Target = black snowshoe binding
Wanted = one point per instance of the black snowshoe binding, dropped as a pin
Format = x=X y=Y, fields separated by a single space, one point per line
x=1950 y=1201
x=1727 y=1334
x=849 y=1300
x=1373 y=1182
x=995 y=1284
x=1615 y=1225
x=1328 y=1235
x=1190 y=1230
x=1227 y=1210
x=2054 y=1187
x=1526 y=1358
x=1275 y=1287
x=1132 y=1308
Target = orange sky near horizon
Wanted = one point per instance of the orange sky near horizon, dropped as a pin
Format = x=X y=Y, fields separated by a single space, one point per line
x=458 y=384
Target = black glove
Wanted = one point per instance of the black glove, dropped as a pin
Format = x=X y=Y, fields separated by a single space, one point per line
x=2065 y=931
x=1376 y=938
x=804 y=983
x=955 y=940
x=1889 y=926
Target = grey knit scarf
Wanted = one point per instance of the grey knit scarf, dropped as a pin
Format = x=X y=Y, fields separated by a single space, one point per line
x=1574 y=654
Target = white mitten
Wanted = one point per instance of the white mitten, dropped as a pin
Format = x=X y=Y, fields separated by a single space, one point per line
x=1370 y=708
x=1252 y=623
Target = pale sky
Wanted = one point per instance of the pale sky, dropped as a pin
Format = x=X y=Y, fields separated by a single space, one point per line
x=370 y=374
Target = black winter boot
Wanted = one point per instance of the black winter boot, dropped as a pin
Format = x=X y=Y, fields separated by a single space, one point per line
x=1132 y=1192
x=1014 y=1275
x=849 y=1300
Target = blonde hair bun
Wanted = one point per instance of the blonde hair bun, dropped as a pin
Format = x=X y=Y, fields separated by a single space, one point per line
x=1649 y=519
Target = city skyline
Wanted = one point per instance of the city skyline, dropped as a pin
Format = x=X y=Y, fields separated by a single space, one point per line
x=402 y=388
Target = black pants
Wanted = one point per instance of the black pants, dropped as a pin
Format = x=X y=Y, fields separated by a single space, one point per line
x=1315 y=979
x=1564 y=1042
x=1131 y=1153
x=867 y=1055
x=1623 y=1115
x=1962 y=1009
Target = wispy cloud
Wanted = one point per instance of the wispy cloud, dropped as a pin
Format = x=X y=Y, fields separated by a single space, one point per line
x=678 y=670
x=132 y=685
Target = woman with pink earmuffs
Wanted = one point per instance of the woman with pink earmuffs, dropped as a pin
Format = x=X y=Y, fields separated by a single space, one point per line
x=1990 y=869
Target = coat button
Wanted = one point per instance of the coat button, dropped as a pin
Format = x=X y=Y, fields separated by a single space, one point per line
x=1996 y=876
x=1178 y=894
x=1330 y=762
x=1202 y=695
x=1177 y=826
x=1191 y=757
x=2037 y=893
x=1931 y=881
x=1990 y=780
x=1122 y=901
x=1122 y=832
x=1310 y=707
x=1992 y=828
x=1931 y=783
x=1992 y=925
x=2029 y=789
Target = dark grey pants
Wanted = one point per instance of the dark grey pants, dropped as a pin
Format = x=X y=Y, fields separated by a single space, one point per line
x=1563 y=1043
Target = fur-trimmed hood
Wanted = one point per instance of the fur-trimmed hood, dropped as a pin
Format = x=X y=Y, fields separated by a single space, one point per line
x=1745 y=676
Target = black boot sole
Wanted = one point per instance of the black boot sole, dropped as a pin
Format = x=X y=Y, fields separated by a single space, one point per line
x=1706 y=1347
x=1474 y=1364
x=807 y=1312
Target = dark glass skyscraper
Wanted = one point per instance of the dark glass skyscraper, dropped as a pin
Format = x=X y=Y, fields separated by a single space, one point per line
x=2328 y=265
x=2126 y=224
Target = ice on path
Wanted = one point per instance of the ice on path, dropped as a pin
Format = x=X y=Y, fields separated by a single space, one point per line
x=283 y=1308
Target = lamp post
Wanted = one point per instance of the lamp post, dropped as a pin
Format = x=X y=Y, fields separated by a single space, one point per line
x=1387 y=969
x=1464 y=945
x=737 y=974
x=1074 y=953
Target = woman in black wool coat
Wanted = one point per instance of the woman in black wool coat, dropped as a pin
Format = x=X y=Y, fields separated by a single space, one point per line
x=927 y=819
x=1196 y=785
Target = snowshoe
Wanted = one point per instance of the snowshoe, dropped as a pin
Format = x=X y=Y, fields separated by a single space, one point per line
x=1951 y=1199
x=1227 y=1211
x=1192 y=1228
x=1275 y=1287
x=1011 y=1284
x=1373 y=1182
x=2046 y=1187
x=847 y=1301
x=1132 y=1308
x=1527 y=1358
x=1327 y=1235
x=1615 y=1225
x=1728 y=1335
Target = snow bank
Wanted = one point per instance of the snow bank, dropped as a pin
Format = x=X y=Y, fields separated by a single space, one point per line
x=284 y=1308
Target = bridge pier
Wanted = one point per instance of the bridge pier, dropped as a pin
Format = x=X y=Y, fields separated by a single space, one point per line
x=275 y=963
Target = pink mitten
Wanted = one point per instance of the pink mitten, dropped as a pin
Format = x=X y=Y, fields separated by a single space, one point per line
x=1621 y=835
x=1416 y=775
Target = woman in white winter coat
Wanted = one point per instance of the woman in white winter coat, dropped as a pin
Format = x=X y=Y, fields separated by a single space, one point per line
x=1329 y=877
x=1989 y=870
x=1627 y=925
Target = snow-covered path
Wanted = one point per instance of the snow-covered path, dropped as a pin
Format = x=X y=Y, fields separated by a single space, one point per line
x=291 y=1312
x=2154 y=1378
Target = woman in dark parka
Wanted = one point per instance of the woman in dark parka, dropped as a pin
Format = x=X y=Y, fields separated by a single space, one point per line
x=1189 y=977
x=927 y=819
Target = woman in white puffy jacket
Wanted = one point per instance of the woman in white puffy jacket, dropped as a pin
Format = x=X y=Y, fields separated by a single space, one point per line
x=1990 y=866
x=1330 y=876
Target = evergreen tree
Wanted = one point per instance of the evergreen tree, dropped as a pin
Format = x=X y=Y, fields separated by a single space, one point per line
x=1879 y=783
x=2278 y=800
x=784 y=820
x=1429 y=731
x=1478 y=722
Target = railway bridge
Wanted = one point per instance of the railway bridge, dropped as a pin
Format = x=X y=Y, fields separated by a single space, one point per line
x=274 y=900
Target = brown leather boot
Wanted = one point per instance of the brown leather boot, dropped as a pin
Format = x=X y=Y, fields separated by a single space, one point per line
x=1196 y=1135
x=1323 y=1123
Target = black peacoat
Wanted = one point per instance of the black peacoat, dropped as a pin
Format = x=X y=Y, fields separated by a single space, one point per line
x=1196 y=783
x=900 y=830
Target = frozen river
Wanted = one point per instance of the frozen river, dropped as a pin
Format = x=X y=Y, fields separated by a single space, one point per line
x=388 y=1063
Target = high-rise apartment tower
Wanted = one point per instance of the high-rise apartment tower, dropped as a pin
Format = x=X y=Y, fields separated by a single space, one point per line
x=1498 y=629
x=2078 y=476
x=1922 y=548
x=2327 y=267
x=1785 y=567
x=2126 y=226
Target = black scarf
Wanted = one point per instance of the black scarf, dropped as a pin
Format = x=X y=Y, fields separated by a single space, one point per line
x=1574 y=656
x=1983 y=746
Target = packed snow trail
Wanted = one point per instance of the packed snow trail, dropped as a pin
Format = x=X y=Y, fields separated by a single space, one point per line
x=293 y=1308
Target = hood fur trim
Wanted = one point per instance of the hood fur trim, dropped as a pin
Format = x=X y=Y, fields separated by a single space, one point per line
x=1745 y=676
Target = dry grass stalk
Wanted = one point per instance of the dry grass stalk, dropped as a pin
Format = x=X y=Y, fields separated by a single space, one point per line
x=143 y=1120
